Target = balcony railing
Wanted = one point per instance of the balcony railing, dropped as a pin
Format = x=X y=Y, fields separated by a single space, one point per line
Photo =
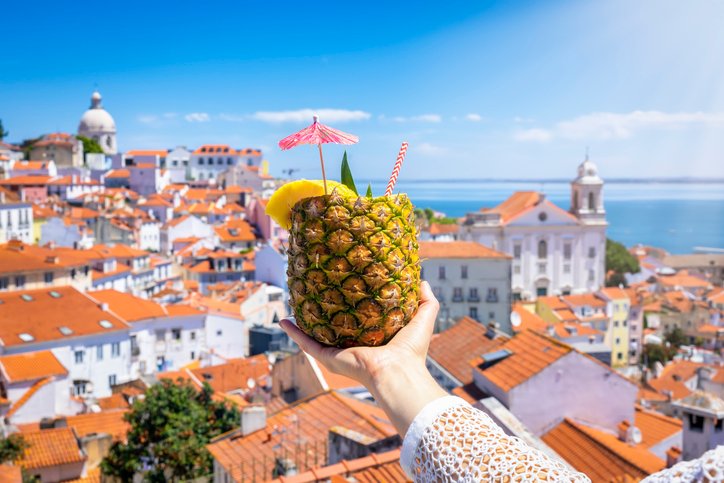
x=491 y=299
x=457 y=298
x=474 y=298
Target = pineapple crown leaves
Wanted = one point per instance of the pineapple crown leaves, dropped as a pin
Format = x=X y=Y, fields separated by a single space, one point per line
x=346 y=177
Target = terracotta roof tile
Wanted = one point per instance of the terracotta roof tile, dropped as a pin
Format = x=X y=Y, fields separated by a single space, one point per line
x=92 y=476
x=115 y=401
x=235 y=230
x=601 y=456
x=528 y=320
x=531 y=352
x=147 y=152
x=41 y=314
x=457 y=249
x=118 y=173
x=310 y=419
x=673 y=378
x=655 y=427
x=104 y=422
x=454 y=348
x=31 y=366
x=51 y=447
x=443 y=228
x=129 y=307
x=234 y=374
x=377 y=467
x=586 y=299
x=11 y=474
x=614 y=293
x=517 y=203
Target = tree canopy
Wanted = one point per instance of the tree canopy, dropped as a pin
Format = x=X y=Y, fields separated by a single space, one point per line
x=12 y=448
x=169 y=431
x=3 y=132
x=619 y=261
x=90 y=145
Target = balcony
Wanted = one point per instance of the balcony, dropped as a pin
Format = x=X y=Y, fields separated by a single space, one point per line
x=492 y=299
x=457 y=298
x=474 y=298
x=135 y=351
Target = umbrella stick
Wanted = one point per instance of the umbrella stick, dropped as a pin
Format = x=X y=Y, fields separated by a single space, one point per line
x=324 y=176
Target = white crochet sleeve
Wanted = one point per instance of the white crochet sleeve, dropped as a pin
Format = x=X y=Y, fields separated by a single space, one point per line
x=451 y=441
x=709 y=467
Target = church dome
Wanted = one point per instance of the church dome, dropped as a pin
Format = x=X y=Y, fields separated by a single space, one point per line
x=96 y=120
x=588 y=173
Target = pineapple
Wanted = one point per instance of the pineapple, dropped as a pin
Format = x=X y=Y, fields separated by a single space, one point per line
x=353 y=268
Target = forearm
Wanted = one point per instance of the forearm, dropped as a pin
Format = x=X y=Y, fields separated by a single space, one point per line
x=403 y=390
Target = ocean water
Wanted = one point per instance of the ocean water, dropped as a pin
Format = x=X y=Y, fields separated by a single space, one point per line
x=673 y=216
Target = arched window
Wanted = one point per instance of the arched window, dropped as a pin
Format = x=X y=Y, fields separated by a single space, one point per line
x=591 y=201
x=542 y=249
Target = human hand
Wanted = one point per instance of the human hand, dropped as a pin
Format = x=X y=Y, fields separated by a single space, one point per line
x=394 y=373
x=365 y=364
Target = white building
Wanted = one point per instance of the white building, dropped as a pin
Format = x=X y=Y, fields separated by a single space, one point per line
x=177 y=163
x=90 y=341
x=554 y=251
x=183 y=227
x=468 y=279
x=63 y=232
x=16 y=222
x=97 y=124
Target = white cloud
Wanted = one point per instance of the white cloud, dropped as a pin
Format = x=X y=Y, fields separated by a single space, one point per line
x=420 y=118
x=170 y=115
x=473 y=117
x=428 y=149
x=232 y=117
x=306 y=115
x=197 y=117
x=540 y=135
x=147 y=118
x=611 y=125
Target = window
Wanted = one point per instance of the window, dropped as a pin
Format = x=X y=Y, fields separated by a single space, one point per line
x=567 y=251
x=79 y=387
x=201 y=161
x=718 y=425
x=73 y=273
x=228 y=161
x=78 y=355
x=193 y=355
x=591 y=275
x=592 y=252
x=457 y=294
x=591 y=201
x=696 y=423
x=542 y=216
x=112 y=380
x=20 y=281
x=474 y=313
x=463 y=271
x=115 y=349
x=566 y=268
x=99 y=352
x=542 y=250
x=619 y=356
x=176 y=334
x=615 y=324
x=516 y=269
x=517 y=297
x=48 y=276
x=625 y=323
x=618 y=340
x=4 y=283
x=517 y=251
x=441 y=273
x=192 y=335
x=474 y=293
x=491 y=315
x=219 y=332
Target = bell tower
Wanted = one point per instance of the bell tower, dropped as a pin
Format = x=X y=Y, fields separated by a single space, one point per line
x=587 y=195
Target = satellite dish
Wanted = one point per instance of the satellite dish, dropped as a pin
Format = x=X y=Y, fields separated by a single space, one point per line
x=251 y=383
x=272 y=359
x=515 y=319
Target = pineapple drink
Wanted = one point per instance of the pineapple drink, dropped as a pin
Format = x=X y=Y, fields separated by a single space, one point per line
x=353 y=268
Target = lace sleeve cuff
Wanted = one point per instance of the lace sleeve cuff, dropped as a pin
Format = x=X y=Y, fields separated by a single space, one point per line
x=421 y=422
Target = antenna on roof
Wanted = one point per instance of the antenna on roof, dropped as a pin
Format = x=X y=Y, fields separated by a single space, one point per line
x=586 y=153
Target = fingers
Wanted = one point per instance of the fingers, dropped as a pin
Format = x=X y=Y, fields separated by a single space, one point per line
x=306 y=343
x=420 y=328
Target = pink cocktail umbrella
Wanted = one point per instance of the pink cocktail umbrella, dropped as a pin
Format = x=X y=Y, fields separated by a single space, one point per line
x=317 y=133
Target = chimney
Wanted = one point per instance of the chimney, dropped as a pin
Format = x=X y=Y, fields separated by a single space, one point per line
x=623 y=428
x=673 y=456
x=491 y=332
x=253 y=418
x=629 y=433
x=703 y=375
x=104 y=307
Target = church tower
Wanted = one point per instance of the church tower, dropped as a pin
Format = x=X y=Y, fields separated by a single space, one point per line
x=587 y=195
x=98 y=124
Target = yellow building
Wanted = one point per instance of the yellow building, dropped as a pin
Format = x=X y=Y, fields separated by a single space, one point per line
x=617 y=309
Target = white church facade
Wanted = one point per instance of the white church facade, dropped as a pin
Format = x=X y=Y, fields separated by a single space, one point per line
x=555 y=252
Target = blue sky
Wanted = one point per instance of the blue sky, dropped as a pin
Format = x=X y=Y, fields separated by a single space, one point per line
x=479 y=89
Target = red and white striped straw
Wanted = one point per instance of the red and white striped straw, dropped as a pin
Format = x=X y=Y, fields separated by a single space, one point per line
x=396 y=170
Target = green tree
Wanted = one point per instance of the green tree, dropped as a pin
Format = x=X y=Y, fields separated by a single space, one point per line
x=676 y=337
x=3 y=132
x=616 y=280
x=619 y=260
x=169 y=432
x=654 y=353
x=429 y=214
x=12 y=448
x=90 y=145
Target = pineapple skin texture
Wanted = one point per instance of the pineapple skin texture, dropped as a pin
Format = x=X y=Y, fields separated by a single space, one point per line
x=353 y=268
